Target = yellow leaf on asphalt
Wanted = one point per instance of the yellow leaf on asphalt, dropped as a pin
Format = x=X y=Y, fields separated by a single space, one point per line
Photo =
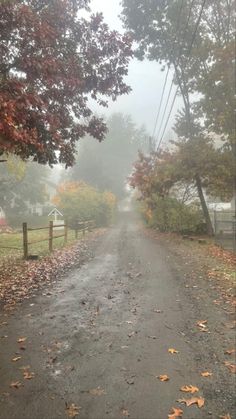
x=206 y=374
x=72 y=410
x=97 y=391
x=175 y=413
x=173 y=351
x=16 y=358
x=163 y=377
x=21 y=340
x=225 y=416
x=189 y=389
x=125 y=412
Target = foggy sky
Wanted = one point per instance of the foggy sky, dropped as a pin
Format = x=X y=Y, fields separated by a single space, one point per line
x=145 y=78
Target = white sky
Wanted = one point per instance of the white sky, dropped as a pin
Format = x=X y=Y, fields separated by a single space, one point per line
x=145 y=79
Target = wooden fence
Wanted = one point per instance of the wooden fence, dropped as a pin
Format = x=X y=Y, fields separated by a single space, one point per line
x=52 y=235
x=50 y=238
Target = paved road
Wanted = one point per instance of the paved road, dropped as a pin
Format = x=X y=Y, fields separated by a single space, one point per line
x=99 y=337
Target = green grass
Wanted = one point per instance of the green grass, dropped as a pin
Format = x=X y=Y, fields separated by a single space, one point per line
x=41 y=249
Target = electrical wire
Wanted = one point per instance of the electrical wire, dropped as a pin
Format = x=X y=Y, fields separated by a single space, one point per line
x=177 y=89
x=179 y=54
x=167 y=72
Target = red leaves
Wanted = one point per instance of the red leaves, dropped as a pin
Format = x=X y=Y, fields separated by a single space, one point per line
x=54 y=77
x=22 y=278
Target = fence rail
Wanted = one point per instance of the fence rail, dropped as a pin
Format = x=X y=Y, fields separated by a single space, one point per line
x=83 y=226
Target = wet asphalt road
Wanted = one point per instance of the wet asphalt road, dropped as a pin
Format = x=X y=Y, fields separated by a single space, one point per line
x=99 y=337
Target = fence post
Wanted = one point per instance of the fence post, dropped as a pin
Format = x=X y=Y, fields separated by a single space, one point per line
x=215 y=222
x=25 y=240
x=65 y=232
x=50 y=240
x=84 y=229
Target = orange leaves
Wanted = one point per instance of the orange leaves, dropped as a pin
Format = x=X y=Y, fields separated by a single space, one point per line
x=229 y=352
x=189 y=389
x=206 y=374
x=175 y=413
x=173 y=351
x=163 y=377
x=202 y=325
x=225 y=416
x=28 y=375
x=16 y=384
x=199 y=401
x=231 y=367
x=72 y=410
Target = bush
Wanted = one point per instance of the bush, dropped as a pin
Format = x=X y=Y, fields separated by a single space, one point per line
x=80 y=202
x=168 y=214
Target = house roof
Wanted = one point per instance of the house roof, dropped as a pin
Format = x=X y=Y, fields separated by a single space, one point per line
x=55 y=211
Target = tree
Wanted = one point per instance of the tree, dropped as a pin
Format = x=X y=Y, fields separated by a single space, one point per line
x=186 y=35
x=22 y=183
x=52 y=61
x=80 y=202
x=106 y=166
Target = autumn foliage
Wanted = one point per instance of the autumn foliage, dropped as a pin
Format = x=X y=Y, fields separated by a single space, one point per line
x=80 y=202
x=52 y=61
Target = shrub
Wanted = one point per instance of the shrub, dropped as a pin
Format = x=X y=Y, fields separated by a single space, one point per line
x=80 y=202
x=168 y=214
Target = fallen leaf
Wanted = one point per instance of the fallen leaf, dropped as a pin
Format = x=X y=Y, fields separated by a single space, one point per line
x=152 y=337
x=16 y=358
x=131 y=334
x=230 y=351
x=125 y=412
x=157 y=311
x=129 y=322
x=163 y=377
x=173 y=351
x=231 y=367
x=97 y=391
x=28 y=375
x=175 y=413
x=225 y=416
x=72 y=410
x=194 y=400
x=21 y=340
x=16 y=384
x=189 y=389
x=206 y=374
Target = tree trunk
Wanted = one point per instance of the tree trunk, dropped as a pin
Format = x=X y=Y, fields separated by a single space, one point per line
x=210 y=230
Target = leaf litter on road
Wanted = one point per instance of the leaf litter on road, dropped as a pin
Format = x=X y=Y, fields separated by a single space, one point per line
x=206 y=374
x=16 y=384
x=17 y=358
x=175 y=413
x=97 y=391
x=163 y=377
x=199 y=401
x=189 y=389
x=72 y=410
x=173 y=351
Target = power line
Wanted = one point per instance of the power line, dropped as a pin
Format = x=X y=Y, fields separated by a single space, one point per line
x=177 y=89
x=168 y=70
x=179 y=54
